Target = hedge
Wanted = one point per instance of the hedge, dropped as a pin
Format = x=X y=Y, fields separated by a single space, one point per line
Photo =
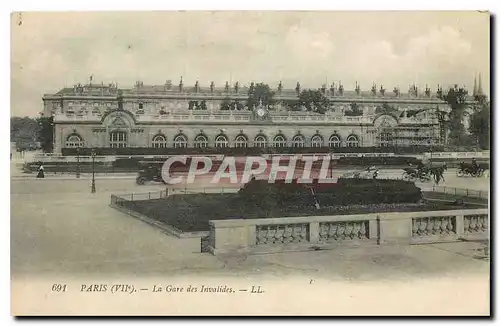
x=344 y=192
x=368 y=191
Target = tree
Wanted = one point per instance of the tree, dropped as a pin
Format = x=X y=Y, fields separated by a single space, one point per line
x=456 y=98
x=202 y=105
x=23 y=131
x=261 y=92
x=354 y=111
x=385 y=108
x=225 y=104
x=480 y=123
x=236 y=105
x=46 y=133
x=313 y=100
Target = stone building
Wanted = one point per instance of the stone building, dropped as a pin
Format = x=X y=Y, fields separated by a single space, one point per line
x=98 y=115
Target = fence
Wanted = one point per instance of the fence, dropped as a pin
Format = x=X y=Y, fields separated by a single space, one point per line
x=470 y=193
x=131 y=204
x=128 y=203
x=116 y=199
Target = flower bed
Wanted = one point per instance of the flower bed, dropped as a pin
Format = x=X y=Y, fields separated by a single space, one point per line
x=191 y=213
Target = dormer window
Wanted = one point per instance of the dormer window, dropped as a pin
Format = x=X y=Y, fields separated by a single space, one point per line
x=141 y=106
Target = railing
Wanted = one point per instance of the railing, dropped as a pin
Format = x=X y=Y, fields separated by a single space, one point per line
x=228 y=116
x=51 y=157
x=452 y=191
x=120 y=199
x=151 y=195
x=323 y=232
x=458 y=155
x=474 y=224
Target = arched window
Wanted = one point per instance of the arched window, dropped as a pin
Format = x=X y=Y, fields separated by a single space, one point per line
x=201 y=141
x=118 y=139
x=260 y=141
x=317 y=141
x=74 y=141
x=180 y=141
x=241 y=141
x=159 y=141
x=298 y=141
x=279 y=141
x=352 y=141
x=334 y=141
x=221 y=141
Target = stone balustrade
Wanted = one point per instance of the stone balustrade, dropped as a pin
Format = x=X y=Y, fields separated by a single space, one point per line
x=228 y=117
x=458 y=155
x=269 y=235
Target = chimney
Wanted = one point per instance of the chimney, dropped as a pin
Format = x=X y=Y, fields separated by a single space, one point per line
x=479 y=87
x=474 y=91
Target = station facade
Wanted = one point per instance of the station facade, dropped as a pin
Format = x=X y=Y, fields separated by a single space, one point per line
x=166 y=116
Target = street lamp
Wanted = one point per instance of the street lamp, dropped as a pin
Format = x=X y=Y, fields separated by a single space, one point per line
x=78 y=162
x=92 y=189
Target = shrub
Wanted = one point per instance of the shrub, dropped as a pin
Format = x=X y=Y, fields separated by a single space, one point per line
x=369 y=191
x=345 y=192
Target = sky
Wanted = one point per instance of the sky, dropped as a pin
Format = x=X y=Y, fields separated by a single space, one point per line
x=50 y=51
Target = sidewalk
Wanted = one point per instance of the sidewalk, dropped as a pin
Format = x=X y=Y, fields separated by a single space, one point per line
x=100 y=176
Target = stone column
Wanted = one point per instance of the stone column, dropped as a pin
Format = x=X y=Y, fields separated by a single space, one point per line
x=373 y=231
x=396 y=229
x=314 y=232
x=459 y=225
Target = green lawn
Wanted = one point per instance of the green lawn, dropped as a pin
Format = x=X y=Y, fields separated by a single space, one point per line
x=190 y=213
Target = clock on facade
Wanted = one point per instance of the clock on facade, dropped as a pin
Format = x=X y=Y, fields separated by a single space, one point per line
x=261 y=112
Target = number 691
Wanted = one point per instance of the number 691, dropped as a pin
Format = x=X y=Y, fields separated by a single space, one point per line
x=59 y=288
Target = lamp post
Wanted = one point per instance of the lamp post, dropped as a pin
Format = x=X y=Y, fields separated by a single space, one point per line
x=78 y=162
x=92 y=189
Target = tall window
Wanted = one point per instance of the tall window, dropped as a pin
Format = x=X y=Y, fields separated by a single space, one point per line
x=159 y=141
x=221 y=141
x=180 y=141
x=74 y=141
x=298 y=141
x=118 y=139
x=317 y=141
x=334 y=141
x=201 y=141
x=241 y=141
x=279 y=141
x=385 y=138
x=352 y=141
x=260 y=141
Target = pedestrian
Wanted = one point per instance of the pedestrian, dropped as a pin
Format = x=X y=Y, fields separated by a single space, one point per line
x=40 y=174
x=437 y=175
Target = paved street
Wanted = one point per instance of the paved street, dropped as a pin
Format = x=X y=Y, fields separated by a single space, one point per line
x=60 y=230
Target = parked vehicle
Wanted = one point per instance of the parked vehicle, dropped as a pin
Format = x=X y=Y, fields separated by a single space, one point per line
x=149 y=171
